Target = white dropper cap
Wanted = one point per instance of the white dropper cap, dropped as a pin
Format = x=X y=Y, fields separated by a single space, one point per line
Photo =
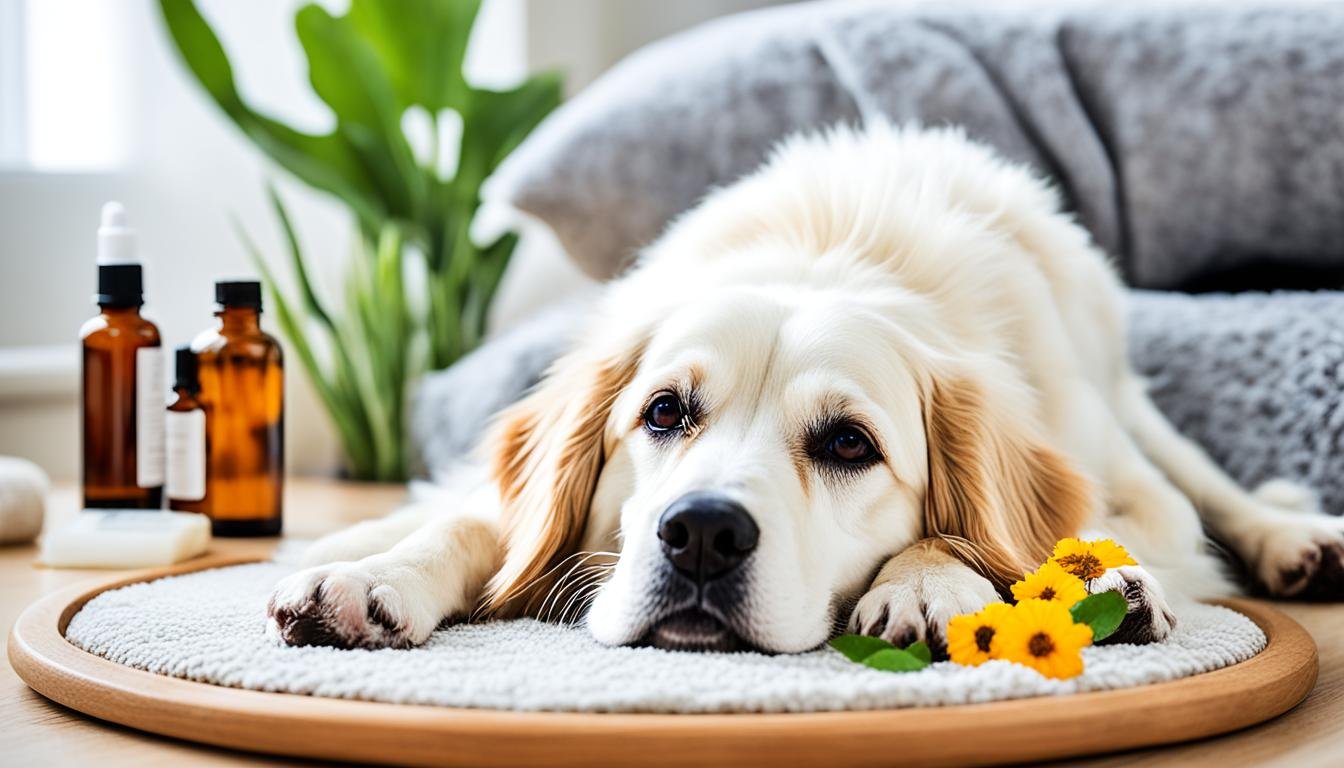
x=116 y=241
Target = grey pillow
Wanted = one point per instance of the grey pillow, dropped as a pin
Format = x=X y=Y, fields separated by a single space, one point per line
x=1189 y=139
x=1256 y=379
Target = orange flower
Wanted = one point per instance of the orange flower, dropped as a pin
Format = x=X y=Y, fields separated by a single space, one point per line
x=1041 y=634
x=1089 y=559
x=971 y=637
x=1050 y=582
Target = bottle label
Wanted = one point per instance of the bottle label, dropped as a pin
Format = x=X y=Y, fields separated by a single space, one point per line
x=149 y=393
x=186 y=455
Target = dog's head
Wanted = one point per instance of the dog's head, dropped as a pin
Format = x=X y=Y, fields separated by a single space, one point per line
x=751 y=446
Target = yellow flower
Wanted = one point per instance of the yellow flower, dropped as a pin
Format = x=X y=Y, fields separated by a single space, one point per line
x=1050 y=582
x=972 y=637
x=1041 y=634
x=1089 y=559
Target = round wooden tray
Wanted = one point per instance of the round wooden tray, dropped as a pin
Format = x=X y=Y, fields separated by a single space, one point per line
x=1025 y=730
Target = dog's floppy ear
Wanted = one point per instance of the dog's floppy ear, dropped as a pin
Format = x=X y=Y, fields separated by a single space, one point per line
x=997 y=495
x=548 y=451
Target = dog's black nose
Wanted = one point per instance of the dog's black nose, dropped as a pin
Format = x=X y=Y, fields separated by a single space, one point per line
x=706 y=535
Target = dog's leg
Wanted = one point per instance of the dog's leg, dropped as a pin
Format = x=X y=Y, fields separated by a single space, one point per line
x=394 y=598
x=916 y=593
x=1290 y=553
x=368 y=537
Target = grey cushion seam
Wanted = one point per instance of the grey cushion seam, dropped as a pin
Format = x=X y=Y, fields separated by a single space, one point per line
x=1055 y=169
x=842 y=66
x=1091 y=111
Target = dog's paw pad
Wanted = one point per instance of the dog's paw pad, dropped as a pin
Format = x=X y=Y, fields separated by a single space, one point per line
x=1149 y=618
x=1303 y=557
x=1320 y=574
x=905 y=612
x=343 y=606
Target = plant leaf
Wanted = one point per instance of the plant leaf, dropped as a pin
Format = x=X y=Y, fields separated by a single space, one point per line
x=895 y=660
x=859 y=647
x=327 y=162
x=920 y=650
x=496 y=122
x=346 y=75
x=421 y=45
x=1103 y=612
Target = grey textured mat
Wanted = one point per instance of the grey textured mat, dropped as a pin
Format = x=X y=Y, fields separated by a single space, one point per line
x=209 y=627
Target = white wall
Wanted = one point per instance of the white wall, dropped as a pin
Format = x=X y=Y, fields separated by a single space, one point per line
x=585 y=37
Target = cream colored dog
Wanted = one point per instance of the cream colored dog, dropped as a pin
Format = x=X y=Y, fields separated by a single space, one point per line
x=872 y=382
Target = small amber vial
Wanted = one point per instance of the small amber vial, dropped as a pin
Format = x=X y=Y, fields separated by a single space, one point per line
x=242 y=393
x=122 y=396
x=187 y=442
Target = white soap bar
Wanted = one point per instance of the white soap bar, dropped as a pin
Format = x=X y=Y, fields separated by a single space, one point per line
x=126 y=538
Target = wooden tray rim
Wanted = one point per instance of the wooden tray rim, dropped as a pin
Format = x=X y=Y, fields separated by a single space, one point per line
x=1021 y=730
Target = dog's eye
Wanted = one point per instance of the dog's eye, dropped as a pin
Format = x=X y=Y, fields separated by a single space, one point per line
x=849 y=445
x=664 y=413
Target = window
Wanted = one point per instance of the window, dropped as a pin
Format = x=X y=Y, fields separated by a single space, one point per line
x=64 y=85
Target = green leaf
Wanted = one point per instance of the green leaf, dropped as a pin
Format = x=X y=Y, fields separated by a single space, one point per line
x=421 y=45
x=310 y=300
x=346 y=75
x=496 y=122
x=895 y=660
x=920 y=650
x=327 y=162
x=1103 y=612
x=859 y=647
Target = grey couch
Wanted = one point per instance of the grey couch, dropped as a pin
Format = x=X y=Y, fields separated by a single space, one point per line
x=1202 y=146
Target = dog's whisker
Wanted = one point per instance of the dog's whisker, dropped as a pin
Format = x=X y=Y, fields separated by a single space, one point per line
x=584 y=600
x=477 y=611
x=589 y=580
x=559 y=586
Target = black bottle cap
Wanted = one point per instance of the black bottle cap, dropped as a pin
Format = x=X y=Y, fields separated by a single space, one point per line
x=238 y=293
x=188 y=372
x=119 y=285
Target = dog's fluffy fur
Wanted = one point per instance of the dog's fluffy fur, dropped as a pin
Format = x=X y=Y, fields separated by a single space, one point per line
x=905 y=283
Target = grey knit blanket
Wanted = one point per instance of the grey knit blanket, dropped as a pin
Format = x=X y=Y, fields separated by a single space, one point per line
x=1197 y=141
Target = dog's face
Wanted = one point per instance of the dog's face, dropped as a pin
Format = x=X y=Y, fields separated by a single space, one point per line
x=749 y=447
x=768 y=453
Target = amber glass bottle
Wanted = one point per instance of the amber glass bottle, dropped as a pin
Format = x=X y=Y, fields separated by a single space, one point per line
x=242 y=392
x=187 y=443
x=122 y=383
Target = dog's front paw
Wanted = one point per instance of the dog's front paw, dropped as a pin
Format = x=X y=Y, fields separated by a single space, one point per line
x=1149 y=618
x=918 y=607
x=1302 y=556
x=351 y=605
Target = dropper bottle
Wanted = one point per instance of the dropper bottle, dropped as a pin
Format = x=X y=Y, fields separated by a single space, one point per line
x=122 y=381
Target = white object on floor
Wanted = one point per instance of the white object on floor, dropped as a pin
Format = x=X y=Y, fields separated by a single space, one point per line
x=209 y=627
x=23 y=494
x=126 y=538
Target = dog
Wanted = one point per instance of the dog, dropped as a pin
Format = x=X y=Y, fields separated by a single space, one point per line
x=868 y=385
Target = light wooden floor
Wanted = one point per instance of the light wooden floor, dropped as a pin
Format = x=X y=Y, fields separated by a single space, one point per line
x=37 y=732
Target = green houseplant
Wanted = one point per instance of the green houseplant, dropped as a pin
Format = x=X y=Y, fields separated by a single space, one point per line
x=371 y=66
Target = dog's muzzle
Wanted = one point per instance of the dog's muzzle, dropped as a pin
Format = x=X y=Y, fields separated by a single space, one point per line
x=705 y=538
